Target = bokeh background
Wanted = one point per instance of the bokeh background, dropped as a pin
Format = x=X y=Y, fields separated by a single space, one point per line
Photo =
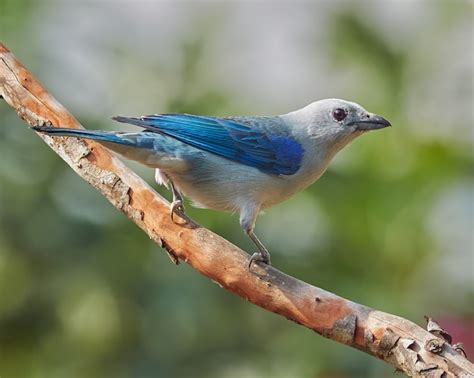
x=84 y=293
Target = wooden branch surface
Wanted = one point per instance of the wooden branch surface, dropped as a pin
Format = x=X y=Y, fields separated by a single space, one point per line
x=401 y=343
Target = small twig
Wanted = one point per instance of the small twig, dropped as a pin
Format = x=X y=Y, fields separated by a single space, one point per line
x=397 y=341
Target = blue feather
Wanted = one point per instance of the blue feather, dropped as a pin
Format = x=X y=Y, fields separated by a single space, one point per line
x=246 y=140
x=103 y=136
x=144 y=140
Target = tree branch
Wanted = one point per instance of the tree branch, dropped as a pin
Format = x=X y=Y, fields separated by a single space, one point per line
x=399 y=342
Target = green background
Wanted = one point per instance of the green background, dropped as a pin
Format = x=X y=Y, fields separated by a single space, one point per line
x=85 y=293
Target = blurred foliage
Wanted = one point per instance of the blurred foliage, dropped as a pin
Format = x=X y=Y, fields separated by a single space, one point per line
x=83 y=292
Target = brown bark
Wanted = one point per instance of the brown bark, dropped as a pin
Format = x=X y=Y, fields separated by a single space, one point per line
x=401 y=343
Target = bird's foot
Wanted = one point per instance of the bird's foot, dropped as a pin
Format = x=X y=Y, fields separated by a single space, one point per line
x=177 y=208
x=259 y=257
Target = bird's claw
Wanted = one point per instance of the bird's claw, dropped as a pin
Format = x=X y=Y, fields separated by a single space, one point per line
x=177 y=208
x=258 y=257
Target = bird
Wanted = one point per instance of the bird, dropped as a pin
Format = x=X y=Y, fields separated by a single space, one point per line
x=238 y=164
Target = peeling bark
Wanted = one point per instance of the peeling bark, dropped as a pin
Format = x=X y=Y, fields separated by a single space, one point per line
x=399 y=342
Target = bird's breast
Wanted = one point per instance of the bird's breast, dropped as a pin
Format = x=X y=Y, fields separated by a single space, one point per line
x=220 y=184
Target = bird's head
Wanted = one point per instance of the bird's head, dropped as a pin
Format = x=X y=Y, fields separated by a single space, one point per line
x=336 y=122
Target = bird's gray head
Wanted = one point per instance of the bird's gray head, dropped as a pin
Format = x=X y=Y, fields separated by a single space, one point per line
x=336 y=121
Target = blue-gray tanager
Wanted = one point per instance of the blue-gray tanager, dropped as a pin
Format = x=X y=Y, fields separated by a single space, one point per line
x=242 y=164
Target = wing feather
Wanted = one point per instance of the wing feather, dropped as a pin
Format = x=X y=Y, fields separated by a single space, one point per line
x=247 y=140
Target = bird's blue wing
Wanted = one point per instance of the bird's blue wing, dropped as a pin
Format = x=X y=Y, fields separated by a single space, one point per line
x=238 y=139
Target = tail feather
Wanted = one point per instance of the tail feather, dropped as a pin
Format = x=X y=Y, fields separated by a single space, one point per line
x=152 y=149
x=101 y=136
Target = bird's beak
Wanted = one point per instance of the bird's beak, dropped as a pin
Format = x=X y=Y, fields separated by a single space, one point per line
x=372 y=122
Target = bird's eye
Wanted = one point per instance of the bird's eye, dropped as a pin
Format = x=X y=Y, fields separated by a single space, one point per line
x=339 y=114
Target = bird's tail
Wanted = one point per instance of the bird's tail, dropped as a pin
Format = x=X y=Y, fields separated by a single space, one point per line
x=100 y=136
x=133 y=146
x=152 y=149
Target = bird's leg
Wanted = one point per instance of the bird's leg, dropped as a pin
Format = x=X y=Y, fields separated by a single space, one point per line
x=248 y=215
x=177 y=206
x=262 y=255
